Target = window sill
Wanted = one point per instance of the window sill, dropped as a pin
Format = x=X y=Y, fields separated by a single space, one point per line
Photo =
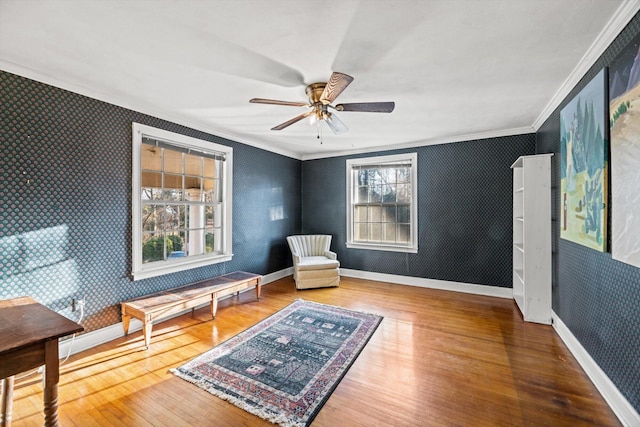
x=382 y=247
x=154 y=271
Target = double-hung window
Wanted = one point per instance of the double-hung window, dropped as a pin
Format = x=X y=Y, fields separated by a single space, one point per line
x=181 y=202
x=382 y=203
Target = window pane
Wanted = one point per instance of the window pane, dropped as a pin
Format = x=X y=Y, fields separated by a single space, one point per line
x=192 y=182
x=375 y=213
x=147 y=193
x=388 y=194
x=389 y=233
x=210 y=167
x=150 y=217
x=404 y=214
x=172 y=217
x=192 y=165
x=375 y=232
x=172 y=161
x=196 y=241
x=208 y=184
x=404 y=193
x=375 y=194
x=209 y=218
x=151 y=179
x=213 y=195
x=373 y=176
x=404 y=233
x=362 y=195
x=172 y=181
x=361 y=231
x=151 y=157
x=217 y=215
x=389 y=175
x=389 y=214
x=196 y=216
x=152 y=247
x=360 y=213
x=194 y=195
x=173 y=195
x=209 y=239
x=404 y=174
x=175 y=245
x=361 y=177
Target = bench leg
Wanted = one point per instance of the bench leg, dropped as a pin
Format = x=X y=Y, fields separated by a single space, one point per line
x=147 y=333
x=214 y=306
x=126 y=320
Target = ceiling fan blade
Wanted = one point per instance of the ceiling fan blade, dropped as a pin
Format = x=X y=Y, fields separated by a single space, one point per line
x=292 y=121
x=276 y=102
x=336 y=84
x=336 y=125
x=368 y=107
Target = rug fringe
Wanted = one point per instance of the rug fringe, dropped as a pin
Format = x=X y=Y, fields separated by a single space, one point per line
x=279 y=419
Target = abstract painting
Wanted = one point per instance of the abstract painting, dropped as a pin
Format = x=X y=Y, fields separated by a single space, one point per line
x=624 y=112
x=584 y=166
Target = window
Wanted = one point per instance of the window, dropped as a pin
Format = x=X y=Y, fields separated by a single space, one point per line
x=382 y=203
x=181 y=202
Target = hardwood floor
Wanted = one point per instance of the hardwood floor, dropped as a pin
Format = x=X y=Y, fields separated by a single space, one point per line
x=438 y=359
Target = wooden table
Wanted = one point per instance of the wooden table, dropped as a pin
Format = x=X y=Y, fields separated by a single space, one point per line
x=160 y=305
x=30 y=333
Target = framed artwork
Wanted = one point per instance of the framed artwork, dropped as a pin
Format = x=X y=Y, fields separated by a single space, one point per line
x=624 y=119
x=584 y=166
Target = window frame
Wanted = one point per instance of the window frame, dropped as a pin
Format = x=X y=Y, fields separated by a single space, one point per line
x=412 y=246
x=141 y=270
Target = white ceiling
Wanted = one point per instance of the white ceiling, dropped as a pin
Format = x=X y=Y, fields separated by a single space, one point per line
x=456 y=69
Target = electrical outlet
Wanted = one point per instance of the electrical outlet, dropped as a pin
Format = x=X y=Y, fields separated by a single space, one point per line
x=77 y=304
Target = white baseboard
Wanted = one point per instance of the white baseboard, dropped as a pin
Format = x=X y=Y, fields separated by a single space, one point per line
x=469 y=288
x=616 y=401
x=112 y=332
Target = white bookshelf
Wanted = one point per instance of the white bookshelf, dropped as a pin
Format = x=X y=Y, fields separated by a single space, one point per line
x=532 y=237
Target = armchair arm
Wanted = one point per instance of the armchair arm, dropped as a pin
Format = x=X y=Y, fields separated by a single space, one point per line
x=296 y=259
x=330 y=255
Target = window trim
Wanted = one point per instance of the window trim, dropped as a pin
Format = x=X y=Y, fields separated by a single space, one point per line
x=143 y=271
x=412 y=247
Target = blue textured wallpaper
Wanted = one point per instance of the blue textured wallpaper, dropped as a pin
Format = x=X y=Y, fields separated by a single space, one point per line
x=596 y=297
x=65 y=209
x=464 y=211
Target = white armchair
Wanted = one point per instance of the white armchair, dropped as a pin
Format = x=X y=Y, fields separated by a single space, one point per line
x=314 y=265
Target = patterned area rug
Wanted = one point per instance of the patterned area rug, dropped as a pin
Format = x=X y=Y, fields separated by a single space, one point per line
x=284 y=368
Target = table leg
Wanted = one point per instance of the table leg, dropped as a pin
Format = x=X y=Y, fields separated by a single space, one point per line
x=258 y=289
x=7 y=401
x=51 y=378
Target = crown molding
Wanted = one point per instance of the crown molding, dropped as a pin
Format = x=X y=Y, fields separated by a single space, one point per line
x=136 y=106
x=616 y=24
x=425 y=142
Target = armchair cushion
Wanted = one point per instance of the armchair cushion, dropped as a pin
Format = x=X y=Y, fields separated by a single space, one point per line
x=316 y=263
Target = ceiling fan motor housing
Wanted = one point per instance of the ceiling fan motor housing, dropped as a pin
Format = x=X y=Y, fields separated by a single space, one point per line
x=314 y=92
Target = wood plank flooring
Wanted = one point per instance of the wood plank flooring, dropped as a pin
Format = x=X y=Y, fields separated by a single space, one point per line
x=438 y=358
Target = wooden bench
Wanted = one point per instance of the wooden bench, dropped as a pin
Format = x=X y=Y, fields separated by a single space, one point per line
x=160 y=305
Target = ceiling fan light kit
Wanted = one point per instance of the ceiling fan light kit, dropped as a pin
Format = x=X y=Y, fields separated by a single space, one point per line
x=321 y=95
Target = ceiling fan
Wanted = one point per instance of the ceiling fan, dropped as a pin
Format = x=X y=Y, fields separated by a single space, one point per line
x=321 y=95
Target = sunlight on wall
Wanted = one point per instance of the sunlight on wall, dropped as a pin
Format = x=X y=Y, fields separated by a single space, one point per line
x=276 y=209
x=31 y=262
